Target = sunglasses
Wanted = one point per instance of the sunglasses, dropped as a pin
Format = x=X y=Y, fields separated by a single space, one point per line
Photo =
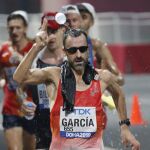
x=73 y=50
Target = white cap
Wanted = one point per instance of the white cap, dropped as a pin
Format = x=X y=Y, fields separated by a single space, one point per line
x=21 y=13
x=90 y=8
x=69 y=9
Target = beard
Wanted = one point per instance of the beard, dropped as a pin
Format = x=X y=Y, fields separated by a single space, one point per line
x=78 y=64
x=15 y=38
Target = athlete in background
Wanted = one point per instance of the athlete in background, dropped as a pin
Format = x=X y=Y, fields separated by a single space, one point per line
x=19 y=132
x=104 y=57
x=51 y=55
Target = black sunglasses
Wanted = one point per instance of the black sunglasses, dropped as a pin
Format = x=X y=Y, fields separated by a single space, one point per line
x=73 y=50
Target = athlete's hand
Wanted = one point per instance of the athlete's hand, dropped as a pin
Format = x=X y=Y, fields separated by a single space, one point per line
x=42 y=36
x=128 y=139
x=28 y=108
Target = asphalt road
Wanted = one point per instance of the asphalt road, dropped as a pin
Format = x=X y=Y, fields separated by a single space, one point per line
x=139 y=85
x=135 y=85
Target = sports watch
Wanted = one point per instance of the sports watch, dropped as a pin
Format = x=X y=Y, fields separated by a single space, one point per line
x=126 y=121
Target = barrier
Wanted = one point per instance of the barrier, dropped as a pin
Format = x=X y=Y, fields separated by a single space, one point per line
x=132 y=58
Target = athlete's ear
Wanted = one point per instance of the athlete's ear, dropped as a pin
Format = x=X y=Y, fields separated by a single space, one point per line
x=65 y=55
x=91 y=22
x=63 y=48
x=25 y=29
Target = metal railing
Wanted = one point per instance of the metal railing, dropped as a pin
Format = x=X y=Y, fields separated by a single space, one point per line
x=126 y=28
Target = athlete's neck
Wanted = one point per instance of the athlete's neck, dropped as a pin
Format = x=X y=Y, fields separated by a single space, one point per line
x=87 y=31
x=21 y=44
x=80 y=84
x=52 y=57
x=78 y=75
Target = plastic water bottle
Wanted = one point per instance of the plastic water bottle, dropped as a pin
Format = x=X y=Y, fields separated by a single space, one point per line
x=29 y=117
x=21 y=97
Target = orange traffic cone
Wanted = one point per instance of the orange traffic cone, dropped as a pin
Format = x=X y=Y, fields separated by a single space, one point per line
x=136 y=115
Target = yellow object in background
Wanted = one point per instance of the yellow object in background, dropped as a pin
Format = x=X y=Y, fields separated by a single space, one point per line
x=108 y=101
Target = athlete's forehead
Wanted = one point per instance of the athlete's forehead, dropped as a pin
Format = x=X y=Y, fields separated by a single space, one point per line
x=74 y=34
x=76 y=41
x=73 y=15
x=15 y=22
x=69 y=9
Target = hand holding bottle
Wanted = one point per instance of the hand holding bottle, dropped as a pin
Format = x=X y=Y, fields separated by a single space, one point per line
x=28 y=108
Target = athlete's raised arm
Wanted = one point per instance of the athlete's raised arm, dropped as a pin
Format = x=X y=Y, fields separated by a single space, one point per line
x=24 y=74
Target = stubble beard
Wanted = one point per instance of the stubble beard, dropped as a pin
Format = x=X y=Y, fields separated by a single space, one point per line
x=79 y=69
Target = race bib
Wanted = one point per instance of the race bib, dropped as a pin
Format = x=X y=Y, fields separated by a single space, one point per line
x=81 y=123
x=43 y=97
x=12 y=85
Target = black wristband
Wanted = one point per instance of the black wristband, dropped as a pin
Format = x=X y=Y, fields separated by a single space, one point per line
x=126 y=121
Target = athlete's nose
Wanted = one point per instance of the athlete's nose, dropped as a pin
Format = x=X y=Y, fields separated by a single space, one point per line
x=78 y=53
x=14 y=30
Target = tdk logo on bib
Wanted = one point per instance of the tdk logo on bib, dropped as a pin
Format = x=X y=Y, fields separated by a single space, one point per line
x=82 y=111
x=81 y=123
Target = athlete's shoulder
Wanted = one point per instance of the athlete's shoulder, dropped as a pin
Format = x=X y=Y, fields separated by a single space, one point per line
x=5 y=44
x=52 y=73
x=6 y=47
x=97 y=43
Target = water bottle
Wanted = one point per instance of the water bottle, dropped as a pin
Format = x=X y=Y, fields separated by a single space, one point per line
x=29 y=117
x=22 y=96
